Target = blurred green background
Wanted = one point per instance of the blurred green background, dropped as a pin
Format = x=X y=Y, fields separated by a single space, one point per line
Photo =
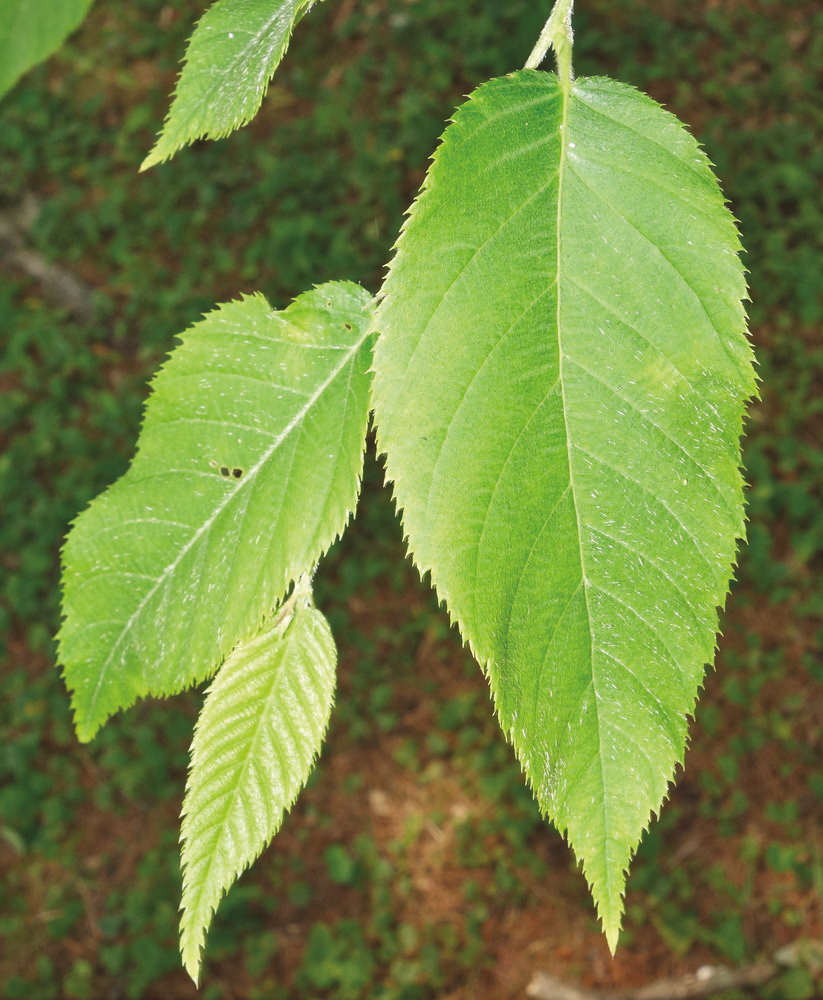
x=416 y=864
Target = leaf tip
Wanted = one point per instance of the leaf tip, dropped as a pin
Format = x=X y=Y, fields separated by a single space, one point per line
x=191 y=962
x=84 y=727
x=612 y=933
x=150 y=161
x=192 y=938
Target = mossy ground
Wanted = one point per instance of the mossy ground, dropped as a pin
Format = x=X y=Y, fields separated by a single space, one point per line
x=416 y=864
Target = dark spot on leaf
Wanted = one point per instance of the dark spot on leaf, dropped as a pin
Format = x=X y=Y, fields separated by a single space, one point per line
x=347 y=326
x=225 y=471
x=237 y=473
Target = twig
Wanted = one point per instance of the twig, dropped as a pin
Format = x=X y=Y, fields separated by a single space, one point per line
x=58 y=284
x=706 y=982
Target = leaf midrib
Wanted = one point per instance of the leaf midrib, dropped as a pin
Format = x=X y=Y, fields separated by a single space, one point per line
x=564 y=141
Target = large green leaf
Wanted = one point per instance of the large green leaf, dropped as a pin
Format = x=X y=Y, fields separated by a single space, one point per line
x=30 y=30
x=559 y=385
x=258 y=734
x=248 y=468
x=231 y=58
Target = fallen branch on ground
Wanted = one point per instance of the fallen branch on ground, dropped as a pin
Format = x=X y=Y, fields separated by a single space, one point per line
x=58 y=284
x=707 y=981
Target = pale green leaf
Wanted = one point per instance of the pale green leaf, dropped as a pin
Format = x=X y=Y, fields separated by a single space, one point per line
x=256 y=740
x=560 y=379
x=31 y=30
x=232 y=56
x=248 y=468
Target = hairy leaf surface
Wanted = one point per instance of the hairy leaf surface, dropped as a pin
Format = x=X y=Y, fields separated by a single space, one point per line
x=232 y=55
x=560 y=379
x=247 y=469
x=256 y=740
x=31 y=30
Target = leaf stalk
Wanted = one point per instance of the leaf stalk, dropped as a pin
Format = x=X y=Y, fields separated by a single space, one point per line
x=557 y=35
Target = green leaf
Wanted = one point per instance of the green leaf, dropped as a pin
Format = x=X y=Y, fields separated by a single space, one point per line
x=254 y=747
x=247 y=470
x=31 y=30
x=559 y=385
x=232 y=56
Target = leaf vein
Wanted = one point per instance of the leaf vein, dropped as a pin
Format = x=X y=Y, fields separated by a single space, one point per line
x=676 y=270
x=644 y=416
x=648 y=492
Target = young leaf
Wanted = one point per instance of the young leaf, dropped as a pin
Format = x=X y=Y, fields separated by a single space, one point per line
x=232 y=56
x=559 y=386
x=248 y=468
x=31 y=30
x=256 y=740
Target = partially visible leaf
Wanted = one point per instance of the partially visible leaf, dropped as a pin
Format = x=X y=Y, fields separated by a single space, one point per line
x=255 y=744
x=247 y=470
x=31 y=30
x=559 y=387
x=232 y=56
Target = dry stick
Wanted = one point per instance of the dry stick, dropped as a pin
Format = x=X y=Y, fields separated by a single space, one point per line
x=703 y=983
x=57 y=283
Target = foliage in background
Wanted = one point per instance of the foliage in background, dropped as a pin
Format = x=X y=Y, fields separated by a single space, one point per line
x=230 y=59
x=730 y=868
x=255 y=745
x=30 y=30
x=211 y=524
x=559 y=393
x=560 y=375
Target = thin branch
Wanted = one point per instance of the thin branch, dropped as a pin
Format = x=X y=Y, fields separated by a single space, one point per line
x=58 y=284
x=707 y=981
x=557 y=34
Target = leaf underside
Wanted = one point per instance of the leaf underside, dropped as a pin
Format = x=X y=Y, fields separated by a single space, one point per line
x=230 y=59
x=248 y=467
x=560 y=379
x=256 y=740
x=31 y=30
